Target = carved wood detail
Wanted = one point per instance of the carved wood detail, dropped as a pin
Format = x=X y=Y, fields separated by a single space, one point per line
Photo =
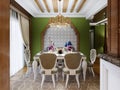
x=61 y=20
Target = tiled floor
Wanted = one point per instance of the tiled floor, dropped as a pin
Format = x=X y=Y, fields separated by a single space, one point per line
x=20 y=82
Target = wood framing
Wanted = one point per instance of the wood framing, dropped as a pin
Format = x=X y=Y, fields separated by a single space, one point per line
x=4 y=45
x=81 y=5
x=38 y=4
x=55 y=5
x=113 y=28
x=73 y=6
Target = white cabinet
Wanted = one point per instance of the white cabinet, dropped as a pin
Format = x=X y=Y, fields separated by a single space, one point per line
x=109 y=76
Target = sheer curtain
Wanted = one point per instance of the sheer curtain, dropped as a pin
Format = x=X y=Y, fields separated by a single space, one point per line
x=16 y=44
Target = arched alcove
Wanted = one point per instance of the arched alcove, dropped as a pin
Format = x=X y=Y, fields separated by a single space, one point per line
x=60 y=30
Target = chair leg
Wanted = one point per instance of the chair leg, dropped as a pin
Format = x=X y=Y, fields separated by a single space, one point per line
x=34 y=65
x=84 y=75
x=92 y=71
x=43 y=79
x=63 y=75
x=53 y=79
x=77 y=79
x=57 y=76
x=89 y=68
x=67 y=78
x=35 y=75
x=84 y=67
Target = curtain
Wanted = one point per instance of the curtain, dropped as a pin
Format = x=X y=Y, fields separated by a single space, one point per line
x=25 y=36
x=25 y=30
x=16 y=44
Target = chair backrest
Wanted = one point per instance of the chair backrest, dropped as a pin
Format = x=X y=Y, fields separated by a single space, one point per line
x=48 y=60
x=73 y=60
x=92 y=55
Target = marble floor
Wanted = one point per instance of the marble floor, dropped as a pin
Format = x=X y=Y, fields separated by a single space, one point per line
x=20 y=82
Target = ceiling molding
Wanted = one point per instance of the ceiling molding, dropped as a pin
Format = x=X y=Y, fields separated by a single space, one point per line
x=14 y=4
x=99 y=6
x=64 y=14
x=69 y=8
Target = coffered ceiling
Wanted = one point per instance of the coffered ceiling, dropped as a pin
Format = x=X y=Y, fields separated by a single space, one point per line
x=67 y=8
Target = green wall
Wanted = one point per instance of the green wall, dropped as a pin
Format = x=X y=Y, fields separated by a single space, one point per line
x=99 y=38
x=100 y=31
x=83 y=27
x=38 y=24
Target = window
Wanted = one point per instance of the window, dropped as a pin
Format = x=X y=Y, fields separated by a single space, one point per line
x=16 y=44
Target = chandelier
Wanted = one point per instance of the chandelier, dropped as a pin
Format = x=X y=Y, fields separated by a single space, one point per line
x=59 y=21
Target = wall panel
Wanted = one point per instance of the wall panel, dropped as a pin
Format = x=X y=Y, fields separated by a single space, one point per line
x=113 y=28
x=4 y=45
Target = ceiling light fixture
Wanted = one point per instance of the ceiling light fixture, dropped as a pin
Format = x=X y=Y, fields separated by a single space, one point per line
x=59 y=21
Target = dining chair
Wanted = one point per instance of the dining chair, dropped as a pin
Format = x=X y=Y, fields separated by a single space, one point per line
x=72 y=63
x=48 y=66
x=35 y=64
x=84 y=66
x=92 y=60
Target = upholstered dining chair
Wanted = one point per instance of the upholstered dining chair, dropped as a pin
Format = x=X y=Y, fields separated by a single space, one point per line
x=35 y=64
x=92 y=60
x=48 y=66
x=72 y=66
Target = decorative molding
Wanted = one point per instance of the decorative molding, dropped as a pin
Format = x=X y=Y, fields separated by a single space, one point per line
x=55 y=14
x=67 y=8
x=59 y=20
x=14 y=4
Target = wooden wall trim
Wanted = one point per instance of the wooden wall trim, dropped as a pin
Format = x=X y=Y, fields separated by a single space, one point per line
x=109 y=29
x=16 y=10
x=119 y=26
x=4 y=45
x=16 y=5
x=113 y=28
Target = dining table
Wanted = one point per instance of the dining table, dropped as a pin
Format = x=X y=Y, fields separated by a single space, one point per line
x=60 y=61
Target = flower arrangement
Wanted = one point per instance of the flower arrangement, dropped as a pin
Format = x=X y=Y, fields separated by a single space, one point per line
x=51 y=47
x=69 y=46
